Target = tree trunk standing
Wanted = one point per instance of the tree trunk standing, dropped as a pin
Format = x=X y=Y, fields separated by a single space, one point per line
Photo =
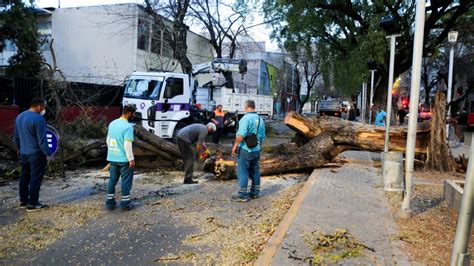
x=181 y=48
x=439 y=157
x=178 y=11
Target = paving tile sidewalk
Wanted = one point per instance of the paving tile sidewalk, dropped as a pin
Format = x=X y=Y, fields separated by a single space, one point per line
x=351 y=198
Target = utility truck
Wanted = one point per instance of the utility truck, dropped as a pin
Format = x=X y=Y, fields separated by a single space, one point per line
x=330 y=106
x=166 y=102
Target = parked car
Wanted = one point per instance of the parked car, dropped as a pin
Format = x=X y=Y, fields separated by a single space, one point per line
x=424 y=113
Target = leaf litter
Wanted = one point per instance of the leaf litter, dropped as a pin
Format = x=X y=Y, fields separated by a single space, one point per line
x=330 y=248
x=36 y=230
x=428 y=235
x=240 y=238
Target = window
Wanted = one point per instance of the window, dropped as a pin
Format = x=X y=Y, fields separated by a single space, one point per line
x=44 y=30
x=143 y=88
x=166 y=49
x=9 y=46
x=143 y=39
x=174 y=87
x=156 y=40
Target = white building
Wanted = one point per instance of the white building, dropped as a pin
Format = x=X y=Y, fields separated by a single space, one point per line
x=104 y=44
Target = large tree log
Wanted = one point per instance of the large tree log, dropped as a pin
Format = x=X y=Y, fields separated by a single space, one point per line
x=357 y=135
x=325 y=139
x=165 y=146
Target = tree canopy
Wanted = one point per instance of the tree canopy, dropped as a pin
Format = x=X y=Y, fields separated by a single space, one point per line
x=348 y=34
x=18 y=25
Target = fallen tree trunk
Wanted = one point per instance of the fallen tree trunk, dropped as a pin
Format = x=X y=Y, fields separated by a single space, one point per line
x=357 y=135
x=163 y=145
x=147 y=147
x=285 y=159
x=324 y=140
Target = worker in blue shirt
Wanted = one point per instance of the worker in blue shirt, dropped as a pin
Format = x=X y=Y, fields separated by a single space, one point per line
x=251 y=133
x=32 y=147
x=380 y=117
x=121 y=159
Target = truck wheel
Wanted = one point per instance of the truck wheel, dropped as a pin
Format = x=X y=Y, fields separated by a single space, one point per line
x=178 y=127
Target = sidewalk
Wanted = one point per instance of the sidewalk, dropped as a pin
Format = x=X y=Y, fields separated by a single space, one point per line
x=350 y=198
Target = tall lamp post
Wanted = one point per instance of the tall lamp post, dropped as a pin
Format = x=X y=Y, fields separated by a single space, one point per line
x=372 y=67
x=392 y=29
x=452 y=38
x=364 y=102
x=414 y=99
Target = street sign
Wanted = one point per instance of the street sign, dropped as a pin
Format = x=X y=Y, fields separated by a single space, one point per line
x=53 y=139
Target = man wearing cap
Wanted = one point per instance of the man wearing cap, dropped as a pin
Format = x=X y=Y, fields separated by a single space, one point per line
x=194 y=133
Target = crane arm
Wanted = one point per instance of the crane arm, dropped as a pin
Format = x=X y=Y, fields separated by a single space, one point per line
x=221 y=65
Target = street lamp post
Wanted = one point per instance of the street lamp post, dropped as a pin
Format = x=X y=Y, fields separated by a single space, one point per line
x=372 y=67
x=452 y=38
x=364 y=102
x=460 y=255
x=392 y=28
x=414 y=99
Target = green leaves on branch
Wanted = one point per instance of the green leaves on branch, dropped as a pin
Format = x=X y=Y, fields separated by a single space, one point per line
x=348 y=34
x=18 y=24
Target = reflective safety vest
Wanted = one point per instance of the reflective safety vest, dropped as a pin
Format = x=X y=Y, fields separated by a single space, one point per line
x=219 y=117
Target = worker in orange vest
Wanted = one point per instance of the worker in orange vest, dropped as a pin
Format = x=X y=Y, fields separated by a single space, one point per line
x=218 y=119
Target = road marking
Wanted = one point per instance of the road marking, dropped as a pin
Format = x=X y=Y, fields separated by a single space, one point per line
x=266 y=256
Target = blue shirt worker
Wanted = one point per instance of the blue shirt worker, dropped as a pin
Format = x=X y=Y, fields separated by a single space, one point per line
x=380 y=117
x=121 y=159
x=194 y=133
x=251 y=126
x=32 y=147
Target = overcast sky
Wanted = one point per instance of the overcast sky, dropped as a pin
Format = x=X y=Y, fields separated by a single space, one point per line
x=260 y=33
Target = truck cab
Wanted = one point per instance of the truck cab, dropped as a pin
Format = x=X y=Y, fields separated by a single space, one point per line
x=162 y=101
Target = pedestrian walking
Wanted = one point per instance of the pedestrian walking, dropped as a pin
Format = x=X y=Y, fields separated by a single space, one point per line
x=352 y=113
x=120 y=157
x=32 y=148
x=189 y=135
x=401 y=116
x=247 y=146
x=461 y=123
x=380 y=117
x=218 y=118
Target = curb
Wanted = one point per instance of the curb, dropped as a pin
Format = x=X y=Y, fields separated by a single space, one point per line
x=270 y=249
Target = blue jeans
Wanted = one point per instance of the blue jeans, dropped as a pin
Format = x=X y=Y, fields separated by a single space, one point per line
x=116 y=171
x=33 y=167
x=248 y=167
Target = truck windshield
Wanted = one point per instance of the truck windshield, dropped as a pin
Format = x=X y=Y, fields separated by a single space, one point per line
x=143 y=88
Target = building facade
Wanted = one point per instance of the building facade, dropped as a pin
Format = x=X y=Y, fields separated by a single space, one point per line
x=103 y=44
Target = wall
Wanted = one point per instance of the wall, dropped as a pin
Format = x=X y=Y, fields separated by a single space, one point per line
x=95 y=44
x=199 y=51
x=7 y=119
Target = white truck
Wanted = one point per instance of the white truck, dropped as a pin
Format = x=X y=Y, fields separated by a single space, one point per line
x=166 y=102
x=330 y=106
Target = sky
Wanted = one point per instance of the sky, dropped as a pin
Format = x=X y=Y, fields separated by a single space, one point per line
x=260 y=33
